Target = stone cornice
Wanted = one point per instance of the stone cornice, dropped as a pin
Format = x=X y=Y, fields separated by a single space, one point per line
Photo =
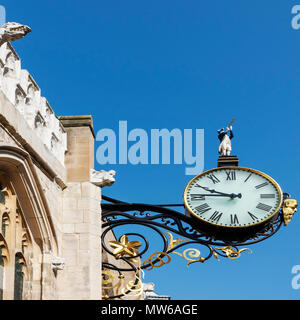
x=77 y=121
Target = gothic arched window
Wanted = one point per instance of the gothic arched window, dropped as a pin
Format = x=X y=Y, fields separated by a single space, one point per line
x=2 y=230
x=16 y=244
x=1 y=274
x=3 y=226
x=19 y=278
x=2 y=197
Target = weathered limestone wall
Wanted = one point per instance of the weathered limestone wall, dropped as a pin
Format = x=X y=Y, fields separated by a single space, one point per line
x=81 y=219
x=59 y=153
x=80 y=140
x=15 y=133
x=81 y=278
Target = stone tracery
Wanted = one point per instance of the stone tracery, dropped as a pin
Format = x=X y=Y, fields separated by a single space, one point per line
x=14 y=238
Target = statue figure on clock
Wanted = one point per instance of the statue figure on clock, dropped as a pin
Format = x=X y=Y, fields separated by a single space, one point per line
x=225 y=137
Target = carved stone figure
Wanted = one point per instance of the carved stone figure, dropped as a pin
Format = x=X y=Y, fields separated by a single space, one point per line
x=149 y=294
x=57 y=263
x=12 y=31
x=289 y=207
x=148 y=287
x=225 y=140
x=102 y=178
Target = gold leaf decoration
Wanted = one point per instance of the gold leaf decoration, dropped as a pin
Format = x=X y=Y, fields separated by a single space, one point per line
x=156 y=260
x=216 y=255
x=173 y=243
x=232 y=253
x=108 y=279
x=134 y=288
x=289 y=207
x=188 y=254
x=124 y=247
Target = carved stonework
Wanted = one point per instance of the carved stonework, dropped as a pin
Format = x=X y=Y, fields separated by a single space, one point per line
x=39 y=121
x=6 y=139
x=102 y=178
x=10 y=65
x=289 y=208
x=22 y=91
x=12 y=31
x=57 y=263
x=20 y=98
x=150 y=294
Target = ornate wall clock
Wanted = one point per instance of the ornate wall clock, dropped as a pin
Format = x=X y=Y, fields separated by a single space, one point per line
x=233 y=201
x=228 y=207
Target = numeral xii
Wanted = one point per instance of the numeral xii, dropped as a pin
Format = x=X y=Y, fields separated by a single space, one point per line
x=230 y=175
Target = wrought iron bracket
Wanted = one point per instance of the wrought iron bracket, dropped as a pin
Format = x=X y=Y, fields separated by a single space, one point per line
x=129 y=253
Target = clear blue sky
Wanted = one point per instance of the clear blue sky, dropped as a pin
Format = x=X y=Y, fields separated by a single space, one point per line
x=181 y=64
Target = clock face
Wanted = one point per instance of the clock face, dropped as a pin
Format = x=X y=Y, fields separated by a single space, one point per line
x=233 y=197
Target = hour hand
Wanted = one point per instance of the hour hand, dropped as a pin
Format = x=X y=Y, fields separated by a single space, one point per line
x=210 y=190
x=231 y=195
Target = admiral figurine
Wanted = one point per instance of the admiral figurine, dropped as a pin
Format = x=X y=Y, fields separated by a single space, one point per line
x=225 y=137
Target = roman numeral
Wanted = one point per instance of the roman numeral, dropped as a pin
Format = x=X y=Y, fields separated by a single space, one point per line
x=234 y=219
x=216 y=216
x=213 y=178
x=261 y=185
x=203 y=208
x=267 y=196
x=264 y=207
x=253 y=217
x=248 y=177
x=195 y=197
x=230 y=175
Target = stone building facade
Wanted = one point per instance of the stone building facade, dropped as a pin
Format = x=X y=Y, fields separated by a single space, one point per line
x=50 y=213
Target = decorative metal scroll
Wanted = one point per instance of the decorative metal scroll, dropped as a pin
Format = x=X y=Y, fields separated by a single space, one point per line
x=129 y=256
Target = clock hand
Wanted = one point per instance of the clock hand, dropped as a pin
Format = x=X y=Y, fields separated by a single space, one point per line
x=232 y=195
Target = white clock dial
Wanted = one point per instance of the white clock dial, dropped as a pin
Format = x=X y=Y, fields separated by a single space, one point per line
x=233 y=197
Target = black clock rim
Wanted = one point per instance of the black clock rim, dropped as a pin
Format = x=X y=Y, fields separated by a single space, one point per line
x=234 y=233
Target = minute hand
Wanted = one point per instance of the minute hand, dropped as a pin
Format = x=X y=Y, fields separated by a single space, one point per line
x=231 y=195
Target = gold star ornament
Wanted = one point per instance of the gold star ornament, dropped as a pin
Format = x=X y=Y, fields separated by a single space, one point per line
x=124 y=247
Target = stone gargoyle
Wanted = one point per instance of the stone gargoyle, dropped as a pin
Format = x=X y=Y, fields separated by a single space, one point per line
x=12 y=31
x=102 y=178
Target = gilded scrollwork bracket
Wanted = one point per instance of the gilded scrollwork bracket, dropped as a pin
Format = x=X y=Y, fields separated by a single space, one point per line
x=132 y=252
